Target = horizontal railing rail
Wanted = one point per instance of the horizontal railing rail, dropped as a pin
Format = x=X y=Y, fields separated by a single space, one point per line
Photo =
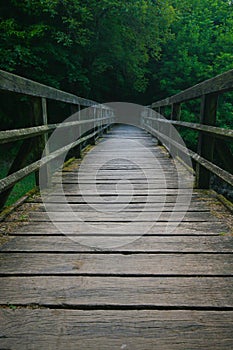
x=15 y=83
x=211 y=138
x=98 y=119
x=219 y=84
x=24 y=133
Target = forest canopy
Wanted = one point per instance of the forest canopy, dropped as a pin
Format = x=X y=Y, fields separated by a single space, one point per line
x=132 y=50
x=110 y=50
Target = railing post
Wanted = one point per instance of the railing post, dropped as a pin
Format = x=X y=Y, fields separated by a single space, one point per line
x=175 y=115
x=105 y=121
x=92 y=140
x=176 y=111
x=209 y=105
x=160 y=125
x=109 y=120
x=99 y=121
x=39 y=114
x=75 y=109
x=47 y=168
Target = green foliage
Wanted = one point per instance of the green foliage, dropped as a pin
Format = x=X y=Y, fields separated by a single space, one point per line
x=92 y=48
x=201 y=46
x=133 y=50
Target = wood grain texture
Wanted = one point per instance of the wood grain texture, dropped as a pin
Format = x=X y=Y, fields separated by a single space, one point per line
x=118 y=292
x=104 y=216
x=169 y=288
x=106 y=329
x=117 y=264
x=145 y=244
x=107 y=229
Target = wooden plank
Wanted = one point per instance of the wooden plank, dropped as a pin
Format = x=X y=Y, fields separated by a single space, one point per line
x=116 y=291
x=116 y=329
x=129 y=207
x=136 y=184
x=105 y=229
x=123 y=199
x=116 y=264
x=121 y=216
x=145 y=244
x=69 y=189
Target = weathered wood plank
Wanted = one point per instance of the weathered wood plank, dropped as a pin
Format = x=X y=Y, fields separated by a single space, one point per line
x=111 y=206
x=117 y=329
x=121 y=216
x=147 y=186
x=131 y=291
x=117 y=264
x=123 y=199
x=145 y=244
x=105 y=229
x=72 y=189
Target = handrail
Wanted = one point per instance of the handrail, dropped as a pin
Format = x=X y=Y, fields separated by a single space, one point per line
x=99 y=118
x=219 y=84
x=224 y=175
x=12 y=179
x=15 y=83
x=213 y=130
x=24 y=133
x=211 y=138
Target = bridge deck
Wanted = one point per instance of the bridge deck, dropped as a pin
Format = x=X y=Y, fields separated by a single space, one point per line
x=167 y=288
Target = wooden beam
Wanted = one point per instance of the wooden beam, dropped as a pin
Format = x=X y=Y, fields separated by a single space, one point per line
x=176 y=111
x=39 y=141
x=75 y=109
x=206 y=142
x=8 y=136
x=12 y=179
x=222 y=174
x=219 y=84
x=213 y=130
x=15 y=83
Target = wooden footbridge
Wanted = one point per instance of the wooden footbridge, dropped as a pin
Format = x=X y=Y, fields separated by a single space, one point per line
x=124 y=254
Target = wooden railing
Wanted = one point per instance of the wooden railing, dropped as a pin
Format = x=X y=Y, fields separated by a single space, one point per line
x=211 y=138
x=99 y=118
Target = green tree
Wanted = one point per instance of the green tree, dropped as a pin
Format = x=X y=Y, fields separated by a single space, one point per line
x=98 y=49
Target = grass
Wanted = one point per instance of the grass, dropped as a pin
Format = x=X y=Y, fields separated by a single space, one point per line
x=22 y=187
